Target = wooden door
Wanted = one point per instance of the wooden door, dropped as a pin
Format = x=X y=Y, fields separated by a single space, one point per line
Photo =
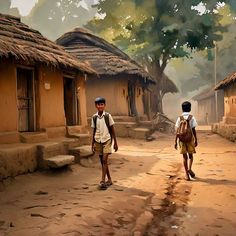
x=25 y=100
x=132 y=99
x=70 y=101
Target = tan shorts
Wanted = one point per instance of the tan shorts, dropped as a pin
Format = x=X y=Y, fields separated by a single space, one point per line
x=187 y=148
x=103 y=148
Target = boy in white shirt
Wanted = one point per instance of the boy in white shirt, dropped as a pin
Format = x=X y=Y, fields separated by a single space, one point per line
x=103 y=134
x=187 y=148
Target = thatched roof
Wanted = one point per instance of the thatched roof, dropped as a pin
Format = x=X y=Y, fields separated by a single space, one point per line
x=226 y=82
x=207 y=93
x=168 y=86
x=22 y=43
x=105 y=58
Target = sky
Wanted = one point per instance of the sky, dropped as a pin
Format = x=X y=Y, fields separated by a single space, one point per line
x=25 y=6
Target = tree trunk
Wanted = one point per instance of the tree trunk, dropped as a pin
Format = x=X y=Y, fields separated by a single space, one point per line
x=157 y=70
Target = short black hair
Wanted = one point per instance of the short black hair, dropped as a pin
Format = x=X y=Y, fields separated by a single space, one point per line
x=186 y=106
x=100 y=100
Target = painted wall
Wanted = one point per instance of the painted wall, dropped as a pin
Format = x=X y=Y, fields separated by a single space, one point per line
x=230 y=104
x=114 y=90
x=51 y=102
x=8 y=102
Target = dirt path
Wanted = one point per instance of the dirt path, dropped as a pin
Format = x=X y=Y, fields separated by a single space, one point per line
x=149 y=195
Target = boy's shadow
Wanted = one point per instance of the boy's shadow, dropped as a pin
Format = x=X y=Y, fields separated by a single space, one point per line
x=215 y=181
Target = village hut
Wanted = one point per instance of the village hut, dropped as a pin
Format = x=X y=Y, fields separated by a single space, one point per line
x=41 y=85
x=227 y=127
x=121 y=80
x=207 y=111
x=228 y=85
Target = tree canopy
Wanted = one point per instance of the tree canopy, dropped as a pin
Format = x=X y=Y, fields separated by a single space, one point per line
x=156 y=31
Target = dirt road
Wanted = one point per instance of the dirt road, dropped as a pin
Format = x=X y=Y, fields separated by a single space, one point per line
x=149 y=195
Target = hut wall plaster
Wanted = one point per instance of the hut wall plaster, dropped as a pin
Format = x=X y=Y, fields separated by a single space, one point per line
x=230 y=104
x=8 y=102
x=115 y=92
x=51 y=108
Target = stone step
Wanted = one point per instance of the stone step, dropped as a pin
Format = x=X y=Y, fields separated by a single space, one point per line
x=33 y=137
x=122 y=128
x=81 y=152
x=9 y=137
x=83 y=139
x=139 y=133
x=54 y=132
x=76 y=129
x=59 y=161
x=146 y=123
x=48 y=150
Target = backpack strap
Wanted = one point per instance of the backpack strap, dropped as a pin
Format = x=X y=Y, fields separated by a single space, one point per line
x=190 y=117
x=95 y=121
x=181 y=118
x=106 y=118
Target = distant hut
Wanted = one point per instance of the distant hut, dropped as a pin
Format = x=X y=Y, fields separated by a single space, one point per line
x=207 y=111
x=228 y=85
x=41 y=85
x=121 y=80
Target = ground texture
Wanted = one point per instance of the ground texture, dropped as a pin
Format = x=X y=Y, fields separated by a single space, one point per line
x=149 y=195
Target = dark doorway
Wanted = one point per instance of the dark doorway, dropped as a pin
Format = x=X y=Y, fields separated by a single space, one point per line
x=25 y=100
x=131 y=99
x=70 y=101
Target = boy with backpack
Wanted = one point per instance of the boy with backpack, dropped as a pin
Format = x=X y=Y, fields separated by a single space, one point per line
x=186 y=134
x=103 y=134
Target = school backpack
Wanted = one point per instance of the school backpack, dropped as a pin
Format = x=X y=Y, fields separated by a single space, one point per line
x=184 y=132
x=106 y=118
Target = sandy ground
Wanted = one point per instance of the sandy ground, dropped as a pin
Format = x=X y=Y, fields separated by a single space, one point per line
x=149 y=195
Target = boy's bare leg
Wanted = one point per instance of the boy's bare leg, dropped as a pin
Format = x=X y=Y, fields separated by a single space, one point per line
x=192 y=174
x=105 y=166
x=190 y=161
x=101 y=160
x=185 y=161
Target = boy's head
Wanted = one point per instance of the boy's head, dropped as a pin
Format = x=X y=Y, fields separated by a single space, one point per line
x=186 y=106
x=100 y=103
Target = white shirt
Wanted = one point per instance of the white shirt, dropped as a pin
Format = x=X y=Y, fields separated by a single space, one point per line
x=102 y=134
x=192 y=122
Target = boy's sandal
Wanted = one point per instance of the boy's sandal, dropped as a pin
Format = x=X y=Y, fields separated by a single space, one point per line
x=109 y=183
x=103 y=185
x=192 y=174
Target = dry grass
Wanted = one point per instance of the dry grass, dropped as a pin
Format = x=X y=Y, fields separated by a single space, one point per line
x=19 y=41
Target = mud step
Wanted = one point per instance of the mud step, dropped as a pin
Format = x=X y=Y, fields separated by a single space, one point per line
x=59 y=161
x=33 y=137
x=48 y=150
x=81 y=152
x=122 y=128
x=139 y=133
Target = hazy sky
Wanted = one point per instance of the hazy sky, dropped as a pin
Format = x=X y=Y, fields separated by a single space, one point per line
x=25 y=6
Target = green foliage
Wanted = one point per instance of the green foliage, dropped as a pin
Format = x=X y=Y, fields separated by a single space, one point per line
x=160 y=29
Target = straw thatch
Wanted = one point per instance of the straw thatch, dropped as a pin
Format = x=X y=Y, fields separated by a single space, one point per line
x=205 y=94
x=22 y=43
x=105 y=58
x=226 y=82
x=167 y=85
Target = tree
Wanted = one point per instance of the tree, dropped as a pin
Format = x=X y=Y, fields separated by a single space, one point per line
x=53 y=18
x=156 y=31
x=5 y=8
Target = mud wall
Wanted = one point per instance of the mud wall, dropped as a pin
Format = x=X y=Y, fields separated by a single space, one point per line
x=51 y=98
x=139 y=99
x=8 y=102
x=230 y=104
x=114 y=90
